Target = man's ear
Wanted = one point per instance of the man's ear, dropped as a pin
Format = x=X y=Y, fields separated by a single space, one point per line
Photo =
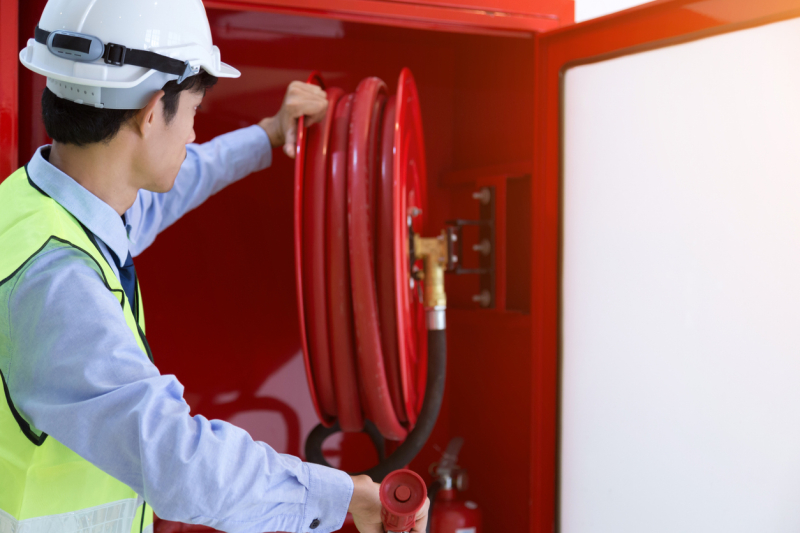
x=146 y=117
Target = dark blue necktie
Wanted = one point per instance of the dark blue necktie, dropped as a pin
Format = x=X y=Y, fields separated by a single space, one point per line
x=127 y=274
x=127 y=277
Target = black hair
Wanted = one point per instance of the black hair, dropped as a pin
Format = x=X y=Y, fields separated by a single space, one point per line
x=80 y=124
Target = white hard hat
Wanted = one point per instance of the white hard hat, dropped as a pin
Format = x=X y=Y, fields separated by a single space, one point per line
x=115 y=54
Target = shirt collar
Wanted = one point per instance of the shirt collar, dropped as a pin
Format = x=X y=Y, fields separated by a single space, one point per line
x=99 y=217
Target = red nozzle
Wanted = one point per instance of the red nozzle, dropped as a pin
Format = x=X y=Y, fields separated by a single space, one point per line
x=403 y=493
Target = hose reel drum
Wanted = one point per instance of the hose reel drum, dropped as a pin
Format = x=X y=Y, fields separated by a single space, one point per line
x=370 y=289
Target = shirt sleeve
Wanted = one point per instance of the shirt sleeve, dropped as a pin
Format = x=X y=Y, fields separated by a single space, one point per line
x=207 y=169
x=77 y=374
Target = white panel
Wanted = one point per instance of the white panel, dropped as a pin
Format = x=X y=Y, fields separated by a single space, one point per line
x=681 y=289
x=589 y=9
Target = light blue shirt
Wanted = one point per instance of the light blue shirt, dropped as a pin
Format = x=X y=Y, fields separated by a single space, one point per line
x=74 y=370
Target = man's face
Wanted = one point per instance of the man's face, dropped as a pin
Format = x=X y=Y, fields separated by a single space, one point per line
x=164 y=149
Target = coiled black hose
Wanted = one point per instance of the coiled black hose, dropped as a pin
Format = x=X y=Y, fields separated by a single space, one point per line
x=405 y=453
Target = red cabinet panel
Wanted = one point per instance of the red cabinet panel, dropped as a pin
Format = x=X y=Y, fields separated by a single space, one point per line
x=468 y=16
x=8 y=88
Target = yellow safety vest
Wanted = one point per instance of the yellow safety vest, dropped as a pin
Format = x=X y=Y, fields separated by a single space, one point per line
x=44 y=486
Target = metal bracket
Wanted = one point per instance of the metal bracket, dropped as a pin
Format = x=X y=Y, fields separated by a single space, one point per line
x=485 y=248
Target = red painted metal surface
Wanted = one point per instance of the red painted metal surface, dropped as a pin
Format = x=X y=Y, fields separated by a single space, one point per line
x=9 y=139
x=451 y=515
x=650 y=26
x=31 y=129
x=490 y=17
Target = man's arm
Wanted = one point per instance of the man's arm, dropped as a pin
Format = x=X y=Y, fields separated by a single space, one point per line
x=207 y=169
x=77 y=374
x=210 y=167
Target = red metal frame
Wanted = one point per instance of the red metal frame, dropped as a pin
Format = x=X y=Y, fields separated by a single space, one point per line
x=653 y=25
x=492 y=17
x=9 y=131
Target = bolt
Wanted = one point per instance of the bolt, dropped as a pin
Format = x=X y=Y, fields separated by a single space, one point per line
x=484 y=195
x=414 y=211
x=484 y=298
x=485 y=247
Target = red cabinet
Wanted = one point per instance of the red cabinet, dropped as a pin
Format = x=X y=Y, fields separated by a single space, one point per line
x=469 y=16
x=9 y=135
x=489 y=75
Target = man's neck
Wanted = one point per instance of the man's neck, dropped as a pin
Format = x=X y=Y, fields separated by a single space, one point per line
x=105 y=170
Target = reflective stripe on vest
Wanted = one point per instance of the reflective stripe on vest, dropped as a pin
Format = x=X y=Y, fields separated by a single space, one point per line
x=44 y=486
x=113 y=517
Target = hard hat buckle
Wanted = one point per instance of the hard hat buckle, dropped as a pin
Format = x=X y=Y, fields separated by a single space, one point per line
x=115 y=54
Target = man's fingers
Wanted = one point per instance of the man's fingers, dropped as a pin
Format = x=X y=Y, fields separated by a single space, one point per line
x=314 y=108
x=421 y=523
x=317 y=117
x=300 y=87
x=299 y=92
x=290 y=145
x=301 y=99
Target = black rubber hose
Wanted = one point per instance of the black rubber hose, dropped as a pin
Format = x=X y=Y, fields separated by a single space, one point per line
x=320 y=433
x=431 y=404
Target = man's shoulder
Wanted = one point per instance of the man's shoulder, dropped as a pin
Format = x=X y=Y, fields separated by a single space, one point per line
x=59 y=279
x=56 y=262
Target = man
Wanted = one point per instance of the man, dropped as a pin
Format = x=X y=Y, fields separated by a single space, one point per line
x=92 y=437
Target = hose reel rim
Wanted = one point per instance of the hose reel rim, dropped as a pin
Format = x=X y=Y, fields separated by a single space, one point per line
x=314 y=279
x=409 y=170
x=299 y=173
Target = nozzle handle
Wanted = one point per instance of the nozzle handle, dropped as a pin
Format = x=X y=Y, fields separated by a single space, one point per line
x=402 y=493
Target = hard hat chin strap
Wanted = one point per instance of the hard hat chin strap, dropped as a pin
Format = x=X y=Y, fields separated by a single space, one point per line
x=78 y=47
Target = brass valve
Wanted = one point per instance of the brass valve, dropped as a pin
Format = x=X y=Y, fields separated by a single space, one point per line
x=433 y=252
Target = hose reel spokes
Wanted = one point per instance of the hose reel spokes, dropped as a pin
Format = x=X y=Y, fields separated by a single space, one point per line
x=365 y=277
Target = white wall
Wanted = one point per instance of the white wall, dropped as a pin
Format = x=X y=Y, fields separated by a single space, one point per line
x=589 y=9
x=681 y=289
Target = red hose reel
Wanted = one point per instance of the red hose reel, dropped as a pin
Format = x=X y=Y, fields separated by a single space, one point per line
x=359 y=193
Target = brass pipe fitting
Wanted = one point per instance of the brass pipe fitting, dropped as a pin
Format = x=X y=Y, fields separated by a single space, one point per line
x=433 y=252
